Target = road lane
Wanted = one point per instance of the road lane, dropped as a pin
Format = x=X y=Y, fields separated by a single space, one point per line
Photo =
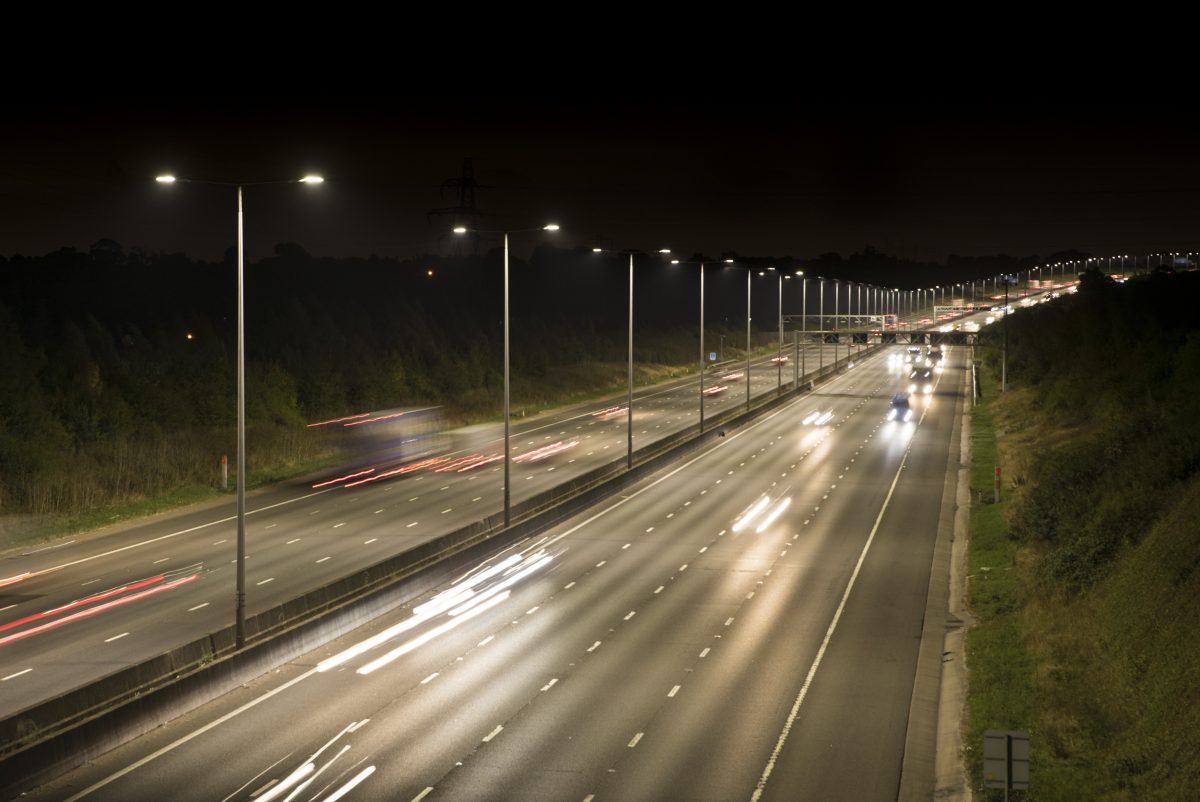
x=733 y=620
x=298 y=539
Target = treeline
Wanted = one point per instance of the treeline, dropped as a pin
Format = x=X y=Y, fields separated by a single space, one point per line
x=118 y=367
x=1119 y=364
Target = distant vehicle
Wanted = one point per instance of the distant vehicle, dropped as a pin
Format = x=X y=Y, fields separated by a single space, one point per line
x=779 y=359
x=818 y=417
x=913 y=354
x=900 y=409
x=921 y=381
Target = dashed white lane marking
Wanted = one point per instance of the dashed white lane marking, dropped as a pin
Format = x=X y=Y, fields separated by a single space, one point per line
x=323 y=559
x=335 y=526
x=447 y=487
x=493 y=733
x=293 y=540
x=651 y=529
x=601 y=563
x=265 y=581
x=163 y=560
x=589 y=798
x=659 y=590
x=670 y=515
x=631 y=614
x=477 y=498
x=486 y=641
x=627 y=545
x=704 y=549
x=219 y=542
x=549 y=684
x=594 y=646
x=14 y=676
x=683 y=567
x=423 y=794
x=377 y=512
x=270 y=526
x=411 y=525
x=728 y=621
x=568 y=586
x=430 y=678
x=634 y=741
x=115 y=637
x=705 y=652
x=414 y=498
x=672 y=692
x=85 y=584
x=7 y=607
x=369 y=542
x=198 y=607
x=750 y=595
x=532 y=610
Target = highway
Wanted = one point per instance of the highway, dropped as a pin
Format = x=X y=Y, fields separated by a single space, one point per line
x=744 y=625
x=81 y=609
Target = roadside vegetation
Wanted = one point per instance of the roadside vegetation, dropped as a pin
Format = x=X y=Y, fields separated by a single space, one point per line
x=118 y=392
x=1086 y=577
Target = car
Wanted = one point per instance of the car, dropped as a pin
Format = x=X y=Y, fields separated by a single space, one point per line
x=913 y=354
x=921 y=380
x=818 y=417
x=900 y=409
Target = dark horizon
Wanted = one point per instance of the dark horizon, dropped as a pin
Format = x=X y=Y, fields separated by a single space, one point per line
x=748 y=176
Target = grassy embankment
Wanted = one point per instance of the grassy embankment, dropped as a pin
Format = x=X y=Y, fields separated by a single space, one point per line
x=1086 y=577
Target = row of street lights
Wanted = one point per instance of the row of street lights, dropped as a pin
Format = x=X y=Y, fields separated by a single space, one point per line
x=891 y=299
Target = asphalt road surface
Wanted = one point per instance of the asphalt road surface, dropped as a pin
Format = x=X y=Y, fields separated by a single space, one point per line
x=81 y=609
x=742 y=626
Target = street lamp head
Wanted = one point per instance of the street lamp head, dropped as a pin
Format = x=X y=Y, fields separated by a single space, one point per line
x=674 y=261
x=460 y=229
x=165 y=179
x=728 y=261
x=312 y=179
x=550 y=227
x=664 y=250
x=799 y=272
x=597 y=250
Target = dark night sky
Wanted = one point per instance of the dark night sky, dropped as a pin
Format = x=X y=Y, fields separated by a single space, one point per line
x=692 y=171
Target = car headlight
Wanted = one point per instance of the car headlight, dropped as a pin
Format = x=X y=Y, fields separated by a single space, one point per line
x=928 y=388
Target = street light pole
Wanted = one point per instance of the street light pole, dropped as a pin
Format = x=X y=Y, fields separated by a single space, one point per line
x=240 y=572
x=507 y=386
x=821 y=345
x=507 y=411
x=629 y=404
x=779 y=362
x=803 y=324
x=749 y=275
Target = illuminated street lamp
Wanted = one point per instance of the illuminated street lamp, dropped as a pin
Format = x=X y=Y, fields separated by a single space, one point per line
x=507 y=410
x=240 y=603
x=703 y=356
x=629 y=403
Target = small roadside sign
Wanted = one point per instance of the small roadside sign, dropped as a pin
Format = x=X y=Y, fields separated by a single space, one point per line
x=712 y=356
x=1006 y=760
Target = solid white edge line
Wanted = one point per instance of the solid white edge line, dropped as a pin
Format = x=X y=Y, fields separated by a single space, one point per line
x=783 y=735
